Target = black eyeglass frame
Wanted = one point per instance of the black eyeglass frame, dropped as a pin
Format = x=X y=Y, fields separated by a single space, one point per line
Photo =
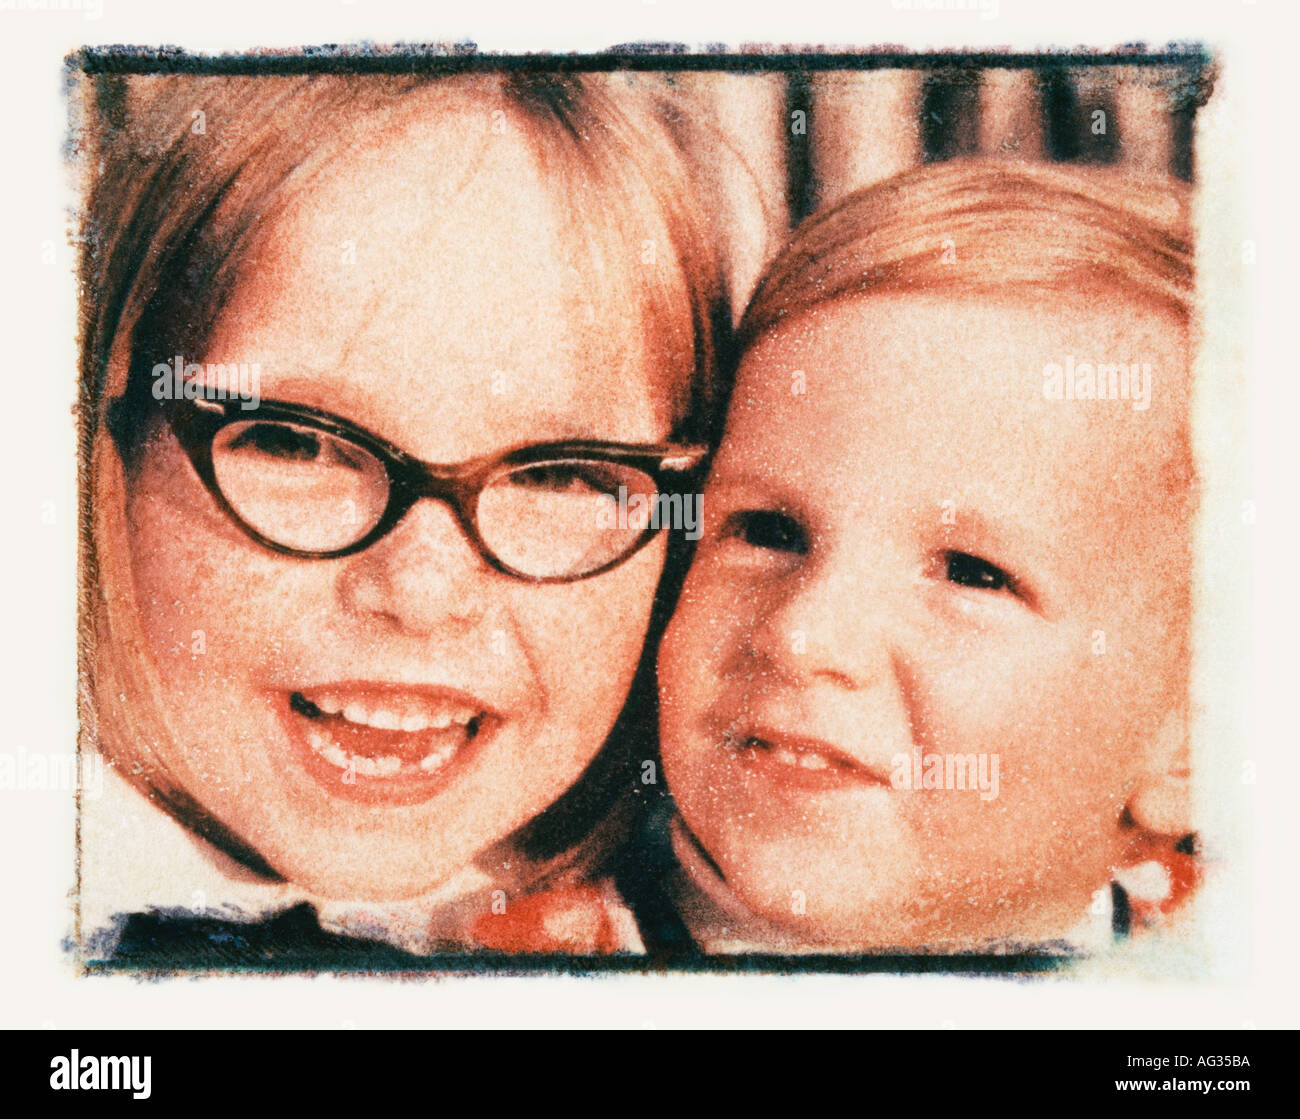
x=674 y=467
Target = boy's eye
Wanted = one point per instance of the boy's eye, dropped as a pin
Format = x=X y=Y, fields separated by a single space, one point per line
x=766 y=528
x=971 y=571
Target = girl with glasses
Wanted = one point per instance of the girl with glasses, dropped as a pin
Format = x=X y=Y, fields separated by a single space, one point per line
x=365 y=631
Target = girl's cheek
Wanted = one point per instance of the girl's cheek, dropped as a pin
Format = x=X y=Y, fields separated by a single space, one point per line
x=585 y=639
x=178 y=548
x=168 y=568
x=211 y=606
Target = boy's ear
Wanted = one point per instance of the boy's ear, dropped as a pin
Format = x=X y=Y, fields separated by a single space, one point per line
x=1162 y=800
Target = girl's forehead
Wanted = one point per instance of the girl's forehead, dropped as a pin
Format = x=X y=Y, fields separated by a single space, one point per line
x=442 y=325
x=397 y=236
x=409 y=263
x=421 y=174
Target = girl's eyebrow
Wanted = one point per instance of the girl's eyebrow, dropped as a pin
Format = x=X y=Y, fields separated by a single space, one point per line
x=311 y=388
x=346 y=404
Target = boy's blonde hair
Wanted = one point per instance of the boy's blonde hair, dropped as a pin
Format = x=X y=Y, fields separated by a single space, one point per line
x=984 y=226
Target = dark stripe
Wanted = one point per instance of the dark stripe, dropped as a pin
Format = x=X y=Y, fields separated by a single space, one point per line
x=950 y=113
x=440 y=57
x=801 y=186
x=1121 y=919
x=291 y=940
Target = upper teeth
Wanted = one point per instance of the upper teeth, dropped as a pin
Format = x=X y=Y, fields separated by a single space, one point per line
x=803 y=759
x=412 y=714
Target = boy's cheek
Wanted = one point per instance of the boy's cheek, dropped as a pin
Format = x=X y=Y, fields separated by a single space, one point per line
x=702 y=633
x=1062 y=735
x=973 y=695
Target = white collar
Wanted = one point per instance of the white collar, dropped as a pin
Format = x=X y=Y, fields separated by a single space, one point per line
x=136 y=858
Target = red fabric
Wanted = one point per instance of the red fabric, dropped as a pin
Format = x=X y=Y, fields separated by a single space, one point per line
x=568 y=919
x=1184 y=875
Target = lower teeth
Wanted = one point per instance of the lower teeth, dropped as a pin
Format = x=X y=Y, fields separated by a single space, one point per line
x=437 y=759
x=387 y=766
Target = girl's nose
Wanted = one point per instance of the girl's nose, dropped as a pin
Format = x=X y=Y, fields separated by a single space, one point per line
x=423 y=577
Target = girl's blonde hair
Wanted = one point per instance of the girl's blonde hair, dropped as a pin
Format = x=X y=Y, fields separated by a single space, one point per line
x=186 y=171
x=985 y=226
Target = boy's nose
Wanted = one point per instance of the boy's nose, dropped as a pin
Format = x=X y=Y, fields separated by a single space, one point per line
x=824 y=627
x=423 y=577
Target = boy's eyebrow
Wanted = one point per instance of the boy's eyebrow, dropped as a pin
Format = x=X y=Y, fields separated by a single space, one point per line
x=749 y=480
x=1007 y=538
x=971 y=521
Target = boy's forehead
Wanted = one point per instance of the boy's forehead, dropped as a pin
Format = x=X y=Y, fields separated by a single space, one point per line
x=879 y=393
x=967 y=370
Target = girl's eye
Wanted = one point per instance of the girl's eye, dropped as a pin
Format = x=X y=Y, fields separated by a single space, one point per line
x=564 y=477
x=303 y=446
x=280 y=441
x=971 y=571
x=765 y=528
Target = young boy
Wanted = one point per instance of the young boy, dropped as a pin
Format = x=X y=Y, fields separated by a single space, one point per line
x=926 y=686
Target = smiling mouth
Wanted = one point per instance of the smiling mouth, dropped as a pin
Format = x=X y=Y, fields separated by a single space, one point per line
x=803 y=761
x=368 y=742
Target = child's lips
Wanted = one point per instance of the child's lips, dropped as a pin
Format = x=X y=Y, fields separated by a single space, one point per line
x=799 y=759
x=386 y=744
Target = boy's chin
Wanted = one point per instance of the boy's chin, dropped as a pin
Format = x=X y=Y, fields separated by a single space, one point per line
x=841 y=917
x=839 y=906
x=828 y=906
x=837 y=927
